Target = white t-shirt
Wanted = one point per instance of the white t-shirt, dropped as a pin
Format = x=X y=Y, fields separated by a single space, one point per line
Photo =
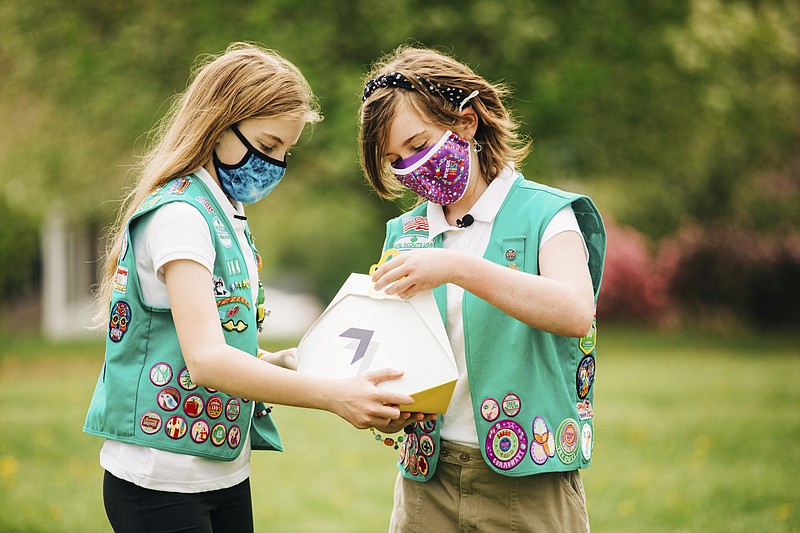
x=459 y=426
x=178 y=231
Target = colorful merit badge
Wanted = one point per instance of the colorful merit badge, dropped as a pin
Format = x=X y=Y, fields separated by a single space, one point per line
x=506 y=444
x=119 y=320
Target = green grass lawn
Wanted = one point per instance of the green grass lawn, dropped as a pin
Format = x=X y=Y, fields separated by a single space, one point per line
x=693 y=433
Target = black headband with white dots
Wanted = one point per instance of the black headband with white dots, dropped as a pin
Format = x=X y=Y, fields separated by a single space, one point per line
x=457 y=97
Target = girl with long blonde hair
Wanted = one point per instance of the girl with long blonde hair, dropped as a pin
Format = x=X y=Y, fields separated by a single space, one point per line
x=182 y=397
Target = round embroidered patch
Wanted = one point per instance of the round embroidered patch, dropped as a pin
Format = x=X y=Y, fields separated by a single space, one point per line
x=150 y=422
x=234 y=436
x=413 y=444
x=567 y=441
x=160 y=374
x=428 y=425
x=543 y=445
x=426 y=445
x=176 y=427
x=232 y=409
x=506 y=444
x=490 y=409
x=185 y=380
x=511 y=405
x=193 y=405
x=585 y=376
x=412 y=465
x=587 y=443
x=214 y=407
x=218 y=434
x=200 y=431
x=169 y=398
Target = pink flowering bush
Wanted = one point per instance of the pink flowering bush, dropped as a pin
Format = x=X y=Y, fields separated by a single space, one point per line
x=715 y=275
x=634 y=288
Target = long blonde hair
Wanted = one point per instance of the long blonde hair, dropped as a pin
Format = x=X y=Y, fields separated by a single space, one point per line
x=245 y=81
x=497 y=131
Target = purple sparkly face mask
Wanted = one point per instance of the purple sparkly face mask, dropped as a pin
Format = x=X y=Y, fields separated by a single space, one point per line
x=440 y=173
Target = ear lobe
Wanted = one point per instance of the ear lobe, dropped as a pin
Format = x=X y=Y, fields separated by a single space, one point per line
x=468 y=121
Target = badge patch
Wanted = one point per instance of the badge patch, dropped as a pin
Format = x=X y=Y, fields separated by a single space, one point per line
x=149 y=202
x=412 y=465
x=176 y=427
x=234 y=269
x=490 y=409
x=178 y=186
x=193 y=406
x=219 y=287
x=218 y=434
x=411 y=242
x=543 y=445
x=426 y=445
x=585 y=411
x=232 y=409
x=222 y=233
x=200 y=431
x=584 y=377
x=119 y=321
x=586 y=441
x=185 y=380
x=205 y=203
x=506 y=444
x=234 y=436
x=121 y=280
x=160 y=374
x=214 y=407
x=422 y=465
x=150 y=422
x=588 y=342
x=567 y=441
x=230 y=325
x=169 y=398
x=428 y=425
x=418 y=223
x=413 y=444
x=511 y=405
x=233 y=300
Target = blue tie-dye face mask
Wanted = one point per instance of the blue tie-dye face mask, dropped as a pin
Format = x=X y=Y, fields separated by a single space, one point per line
x=252 y=178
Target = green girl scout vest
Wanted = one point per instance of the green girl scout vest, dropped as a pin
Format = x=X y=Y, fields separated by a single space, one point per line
x=532 y=391
x=144 y=394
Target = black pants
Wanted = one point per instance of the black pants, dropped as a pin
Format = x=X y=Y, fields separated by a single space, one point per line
x=133 y=509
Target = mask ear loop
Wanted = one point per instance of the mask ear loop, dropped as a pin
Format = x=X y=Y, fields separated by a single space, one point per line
x=464 y=102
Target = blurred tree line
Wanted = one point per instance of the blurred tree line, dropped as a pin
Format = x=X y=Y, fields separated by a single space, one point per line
x=669 y=114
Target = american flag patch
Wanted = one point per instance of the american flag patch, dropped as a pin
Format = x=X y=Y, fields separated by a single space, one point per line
x=415 y=223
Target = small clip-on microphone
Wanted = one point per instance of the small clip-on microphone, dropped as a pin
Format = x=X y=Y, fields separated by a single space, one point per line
x=465 y=222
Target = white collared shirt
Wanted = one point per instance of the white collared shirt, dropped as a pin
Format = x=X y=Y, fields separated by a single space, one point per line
x=178 y=231
x=459 y=426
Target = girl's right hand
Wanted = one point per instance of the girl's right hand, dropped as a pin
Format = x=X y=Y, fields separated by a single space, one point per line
x=359 y=401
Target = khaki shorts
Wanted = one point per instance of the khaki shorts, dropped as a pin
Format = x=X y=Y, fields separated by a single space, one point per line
x=465 y=495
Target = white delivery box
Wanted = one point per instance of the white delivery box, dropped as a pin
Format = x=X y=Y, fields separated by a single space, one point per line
x=362 y=330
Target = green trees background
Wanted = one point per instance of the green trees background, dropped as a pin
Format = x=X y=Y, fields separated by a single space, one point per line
x=667 y=113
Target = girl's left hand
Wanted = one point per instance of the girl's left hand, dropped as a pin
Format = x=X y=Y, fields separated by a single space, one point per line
x=415 y=271
x=284 y=358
